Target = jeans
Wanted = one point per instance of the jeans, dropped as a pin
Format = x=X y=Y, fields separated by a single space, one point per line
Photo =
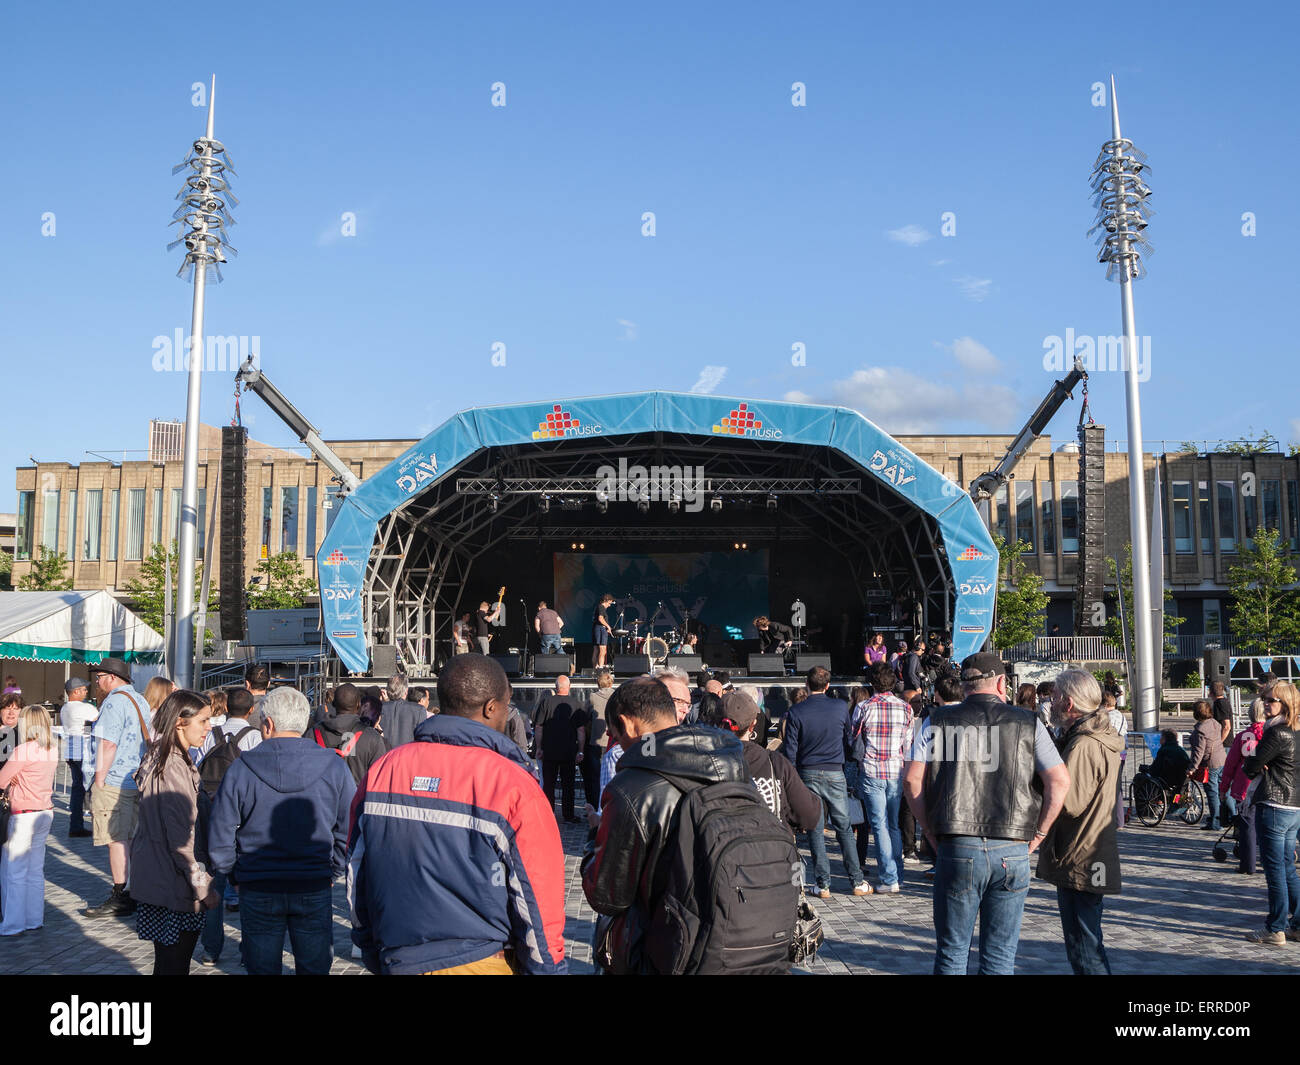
x=1081 y=926
x=1229 y=809
x=22 y=871
x=1276 y=829
x=213 y=936
x=591 y=758
x=1247 y=845
x=830 y=787
x=1212 y=795
x=984 y=878
x=564 y=770
x=77 y=800
x=852 y=779
x=881 y=799
x=551 y=644
x=307 y=916
x=174 y=960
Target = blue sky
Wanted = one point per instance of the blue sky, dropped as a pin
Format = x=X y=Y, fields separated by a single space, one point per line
x=521 y=225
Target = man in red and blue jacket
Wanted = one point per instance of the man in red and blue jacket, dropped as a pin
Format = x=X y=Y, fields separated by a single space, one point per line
x=455 y=862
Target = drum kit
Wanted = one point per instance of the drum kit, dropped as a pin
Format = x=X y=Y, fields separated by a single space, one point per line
x=656 y=645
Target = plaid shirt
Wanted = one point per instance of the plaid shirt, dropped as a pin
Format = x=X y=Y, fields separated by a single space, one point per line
x=884 y=724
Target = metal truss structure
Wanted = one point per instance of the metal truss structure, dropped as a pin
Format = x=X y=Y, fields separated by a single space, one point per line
x=426 y=551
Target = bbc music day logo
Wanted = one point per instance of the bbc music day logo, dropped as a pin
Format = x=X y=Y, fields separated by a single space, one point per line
x=742 y=421
x=561 y=423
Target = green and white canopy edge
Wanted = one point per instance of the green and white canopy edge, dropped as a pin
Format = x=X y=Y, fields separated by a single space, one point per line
x=74 y=627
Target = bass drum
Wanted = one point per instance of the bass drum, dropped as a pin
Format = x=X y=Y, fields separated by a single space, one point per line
x=657 y=649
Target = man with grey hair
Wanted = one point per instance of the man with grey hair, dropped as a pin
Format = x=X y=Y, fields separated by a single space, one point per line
x=678 y=683
x=1081 y=852
x=279 y=828
x=970 y=786
x=400 y=716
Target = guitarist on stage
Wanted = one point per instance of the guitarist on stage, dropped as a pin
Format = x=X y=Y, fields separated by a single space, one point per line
x=483 y=622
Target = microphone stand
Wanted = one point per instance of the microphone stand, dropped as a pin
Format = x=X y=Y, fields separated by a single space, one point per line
x=523 y=615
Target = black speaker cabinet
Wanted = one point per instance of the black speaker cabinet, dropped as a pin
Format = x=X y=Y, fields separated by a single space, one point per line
x=690 y=663
x=767 y=665
x=513 y=664
x=552 y=665
x=803 y=663
x=383 y=659
x=232 y=586
x=1217 y=666
x=631 y=665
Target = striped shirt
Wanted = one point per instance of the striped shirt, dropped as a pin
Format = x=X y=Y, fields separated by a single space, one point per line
x=884 y=725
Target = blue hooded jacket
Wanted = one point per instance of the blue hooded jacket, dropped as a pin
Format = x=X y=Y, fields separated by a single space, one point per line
x=280 y=818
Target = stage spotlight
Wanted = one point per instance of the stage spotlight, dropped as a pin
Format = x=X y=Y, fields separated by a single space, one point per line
x=643 y=505
x=744 y=546
x=602 y=505
x=494 y=501
x=544 y=504
x=715 y=504
x=674 y=503
x=771 y=502
x=582 y=547
x=573 y=547
x=736 y=546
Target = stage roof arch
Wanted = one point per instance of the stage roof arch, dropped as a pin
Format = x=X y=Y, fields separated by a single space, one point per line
x=964 y=545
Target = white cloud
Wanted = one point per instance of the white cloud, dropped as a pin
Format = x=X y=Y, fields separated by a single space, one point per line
x=941 y=262
x=910 y=235
x=973 y=355
x=900 y=401
x=975 y=288
x=629 y=329
x=796 y=396
x=710 y=378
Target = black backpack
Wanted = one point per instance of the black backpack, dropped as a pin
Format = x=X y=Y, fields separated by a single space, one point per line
x=726 y=886
x=220 y=758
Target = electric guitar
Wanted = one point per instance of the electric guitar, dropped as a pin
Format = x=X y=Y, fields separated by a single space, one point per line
x=501 y=594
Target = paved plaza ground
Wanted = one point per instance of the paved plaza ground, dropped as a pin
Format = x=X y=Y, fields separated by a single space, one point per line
x=1181 y=912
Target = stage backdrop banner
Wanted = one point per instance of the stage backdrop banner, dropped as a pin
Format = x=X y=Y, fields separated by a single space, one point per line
x=725 y=590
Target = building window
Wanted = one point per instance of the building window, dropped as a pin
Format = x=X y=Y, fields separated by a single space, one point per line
x=72 y=525
x=311 y=522
x=1003 y=515
x=1227 y=496
x=201 y=529
x=94 y=519
x=289 y=519
x=1180 y=514
x=1270 y=499
x=333 y=501
x=176 y=514
x=1213 y=616
x=1070 y=517
x=1249 y=514
x=266 y=522
x=1049 y=517
x=156 y=537
x=50 y=519
x=1206 y=518
x=114 y=512
x=23 y=533
x=1025 y=514
x=1293 y=512
x=134 y=524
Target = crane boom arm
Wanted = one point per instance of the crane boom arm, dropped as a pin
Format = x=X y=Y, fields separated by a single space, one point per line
x=255 y=381
x=986 y=484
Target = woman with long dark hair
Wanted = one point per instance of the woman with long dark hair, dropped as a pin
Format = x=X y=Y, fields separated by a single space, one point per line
x=169 y=878
x=1277 y=813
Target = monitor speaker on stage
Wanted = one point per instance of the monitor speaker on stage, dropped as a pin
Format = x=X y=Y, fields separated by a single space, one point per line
x=231 y=500
x=690 y=663
x=767 y=665
x=803 y=663
x=383 y=660
x=513 y=664
x=552 y=665
x=631 y=665
x=1217 y=666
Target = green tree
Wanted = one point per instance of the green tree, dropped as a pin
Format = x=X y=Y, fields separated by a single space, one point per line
x=147 y=589
x=1112 y=631
x=279 y=584
x=1265 y=606
x=1022 y=603
x=1251 y=445
x=6 y=571
x=47 y=572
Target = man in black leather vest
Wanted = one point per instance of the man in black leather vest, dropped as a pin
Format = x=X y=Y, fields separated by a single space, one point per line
x=970 y=786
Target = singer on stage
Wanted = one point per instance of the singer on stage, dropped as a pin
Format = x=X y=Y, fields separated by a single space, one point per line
x=773 y=637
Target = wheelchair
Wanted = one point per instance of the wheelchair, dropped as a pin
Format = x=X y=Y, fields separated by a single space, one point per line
x=1154 y=800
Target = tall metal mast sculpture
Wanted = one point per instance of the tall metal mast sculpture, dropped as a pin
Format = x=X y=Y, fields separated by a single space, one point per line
x=203 y=218
x=1119 y=184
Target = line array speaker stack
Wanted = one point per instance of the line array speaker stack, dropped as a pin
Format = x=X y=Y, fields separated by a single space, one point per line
x=233 y=587
x=1090 y=578
x=767 y=665
x=690 y=663
x=631 y=665
x=552 y=665
x=803 y=662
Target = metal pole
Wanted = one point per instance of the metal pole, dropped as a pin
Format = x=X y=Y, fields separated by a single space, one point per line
x=184 y=672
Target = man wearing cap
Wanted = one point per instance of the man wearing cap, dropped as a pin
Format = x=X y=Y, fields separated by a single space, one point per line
x=122 y=733
x=76 y=717
x=970 y=786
